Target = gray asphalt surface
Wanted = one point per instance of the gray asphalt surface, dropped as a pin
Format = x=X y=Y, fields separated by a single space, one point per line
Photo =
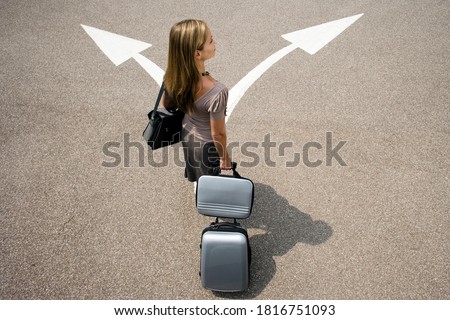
x=377 y=228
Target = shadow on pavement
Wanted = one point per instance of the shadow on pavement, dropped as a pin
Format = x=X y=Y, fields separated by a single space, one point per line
x=282 y=226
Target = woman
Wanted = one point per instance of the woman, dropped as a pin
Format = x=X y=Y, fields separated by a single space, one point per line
x=189 y=87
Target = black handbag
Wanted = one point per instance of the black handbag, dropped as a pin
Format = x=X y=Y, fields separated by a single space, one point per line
x=163 y=128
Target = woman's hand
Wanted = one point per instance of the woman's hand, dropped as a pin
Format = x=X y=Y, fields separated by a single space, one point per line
x=225 y=164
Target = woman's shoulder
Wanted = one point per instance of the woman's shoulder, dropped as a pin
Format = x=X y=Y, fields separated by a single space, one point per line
x=217 y=88
x=212 y=89
x=221 y=86
x=210 y=83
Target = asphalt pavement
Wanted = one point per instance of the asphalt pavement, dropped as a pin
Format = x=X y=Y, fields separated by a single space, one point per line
x=348 y=149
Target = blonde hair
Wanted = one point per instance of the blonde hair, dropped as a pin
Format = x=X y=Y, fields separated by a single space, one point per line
x=182 y=74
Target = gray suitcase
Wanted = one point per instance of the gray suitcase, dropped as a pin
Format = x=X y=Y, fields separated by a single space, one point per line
x=225 y=196
x=225 y=257
x=225 y=250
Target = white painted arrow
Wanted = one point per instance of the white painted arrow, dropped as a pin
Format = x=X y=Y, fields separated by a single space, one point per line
x=310 y=40
x=119 y=49
x=313 y=39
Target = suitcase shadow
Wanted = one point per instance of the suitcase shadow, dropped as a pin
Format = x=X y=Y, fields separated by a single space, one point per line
x=282 y=226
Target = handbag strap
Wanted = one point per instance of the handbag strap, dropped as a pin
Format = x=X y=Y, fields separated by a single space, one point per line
x=161 y=91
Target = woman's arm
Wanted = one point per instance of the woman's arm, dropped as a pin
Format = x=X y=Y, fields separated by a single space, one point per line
x=219 y=135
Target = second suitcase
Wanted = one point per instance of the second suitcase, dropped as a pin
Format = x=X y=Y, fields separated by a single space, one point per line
x=225 y=257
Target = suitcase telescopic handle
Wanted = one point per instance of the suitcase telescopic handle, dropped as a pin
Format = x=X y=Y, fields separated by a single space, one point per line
x=216 y=170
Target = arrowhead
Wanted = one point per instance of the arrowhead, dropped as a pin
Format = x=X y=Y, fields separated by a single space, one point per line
x=313 y=39
x=116 y=47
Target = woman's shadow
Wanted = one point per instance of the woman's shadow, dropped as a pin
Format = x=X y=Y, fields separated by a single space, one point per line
x=283 y=227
